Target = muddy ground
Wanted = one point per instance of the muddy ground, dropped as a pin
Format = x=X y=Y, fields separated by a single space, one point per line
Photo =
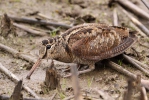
x=62 y=11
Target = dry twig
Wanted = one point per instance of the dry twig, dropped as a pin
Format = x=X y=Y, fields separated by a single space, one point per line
x=120 y=69
x=27 y=29
x=143 y=95
x=115 y=17
x=41 y=22
x=43 y=16
x=134 y=9
x=145 y=3
x=115 y=22
x=75 y=83
x=3 y=97
x=16 y=79
x=138 y=62
x=15 y=53
x=137 y=22
x=135 y=64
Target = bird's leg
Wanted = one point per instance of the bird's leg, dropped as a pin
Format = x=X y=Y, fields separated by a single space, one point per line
x=91 y=68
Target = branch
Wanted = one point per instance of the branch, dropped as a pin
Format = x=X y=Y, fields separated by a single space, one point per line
x=41 y=22
x=135 y=64
x=15 y=53
x=43 y=16
x=16 y=79
x=75 y=83
x=27 y=29
x=120 y=69
x=138 y=62
x=137 y=22
x=3 y=97
x=133 y=8
x=143 y=95
x=145 y=3
x=115 y=17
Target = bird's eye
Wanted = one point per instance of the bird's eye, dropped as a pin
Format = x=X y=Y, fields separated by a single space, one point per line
x=48 y=46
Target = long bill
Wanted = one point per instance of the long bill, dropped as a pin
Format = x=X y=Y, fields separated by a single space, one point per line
x=42 y=53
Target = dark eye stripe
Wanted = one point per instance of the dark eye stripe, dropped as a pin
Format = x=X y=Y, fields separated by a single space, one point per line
x=48 y=46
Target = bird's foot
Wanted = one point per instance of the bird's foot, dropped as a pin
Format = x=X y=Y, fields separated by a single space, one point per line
x=81 y=72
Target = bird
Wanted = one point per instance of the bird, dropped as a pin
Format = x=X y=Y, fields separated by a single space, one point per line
x=87 y=44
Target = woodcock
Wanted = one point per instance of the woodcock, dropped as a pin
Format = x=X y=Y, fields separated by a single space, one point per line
x=87 y=44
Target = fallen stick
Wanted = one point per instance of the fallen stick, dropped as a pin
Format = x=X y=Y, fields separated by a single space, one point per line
x=120 y=69
x=145 y=3
x=136 y=65
x=138 y=62
x=16 y=79
x=4 y=97
x=137 y=22
x=15 y=53
x=27 y=29
x=75 y=83
x=115 y=23
x=133 y=8
x=43 y=16
x=143 y=95
x=115 y=17
x=41 y=22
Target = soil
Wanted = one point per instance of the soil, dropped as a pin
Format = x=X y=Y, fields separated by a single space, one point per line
x=62 y=11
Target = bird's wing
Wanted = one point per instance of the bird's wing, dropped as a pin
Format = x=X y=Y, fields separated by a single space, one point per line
x=113 y=51
x=95 y=43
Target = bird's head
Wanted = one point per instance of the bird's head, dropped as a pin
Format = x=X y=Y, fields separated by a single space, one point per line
x=47 y=47
x=53 y=48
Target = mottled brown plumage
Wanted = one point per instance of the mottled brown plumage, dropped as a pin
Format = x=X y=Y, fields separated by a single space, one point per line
x=87 y=44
